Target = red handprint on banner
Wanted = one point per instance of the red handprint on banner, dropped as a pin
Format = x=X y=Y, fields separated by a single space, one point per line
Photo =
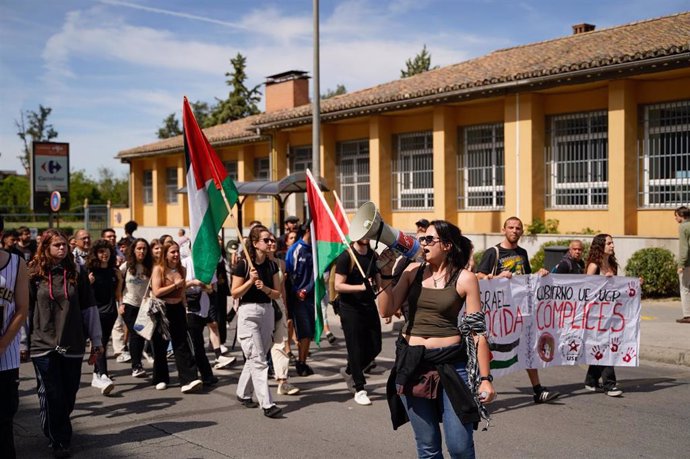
x=598 y=352
x=615 y=344
x=629 y=355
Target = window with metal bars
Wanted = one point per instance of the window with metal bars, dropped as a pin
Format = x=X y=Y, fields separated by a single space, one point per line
x=147 y=188
x=231 y=169
x=300 y=158
x=481 y=167
x=413 y=174
x=664 y=155
x=577 y=161
x=353 y=173
x=262 y=171
x=171 y=186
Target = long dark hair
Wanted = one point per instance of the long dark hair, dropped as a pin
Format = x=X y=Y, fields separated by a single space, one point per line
x=254 y=236
x=146 y=263
x=596 y=253
x=92 y=261
x=42 y=263
x=461 y=247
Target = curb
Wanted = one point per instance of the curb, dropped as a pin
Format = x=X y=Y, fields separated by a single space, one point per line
x=660 y=354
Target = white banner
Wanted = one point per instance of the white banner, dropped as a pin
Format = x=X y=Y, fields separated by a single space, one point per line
x=561 y=319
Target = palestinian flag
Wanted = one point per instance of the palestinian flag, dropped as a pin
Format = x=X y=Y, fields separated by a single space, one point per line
x=327 y=242
x=207 y=182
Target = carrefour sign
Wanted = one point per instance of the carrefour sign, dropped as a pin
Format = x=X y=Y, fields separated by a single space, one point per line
x=50 y=172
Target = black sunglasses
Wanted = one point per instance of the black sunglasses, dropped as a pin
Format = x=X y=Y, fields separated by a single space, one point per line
x=268 y=240
x=428 y=240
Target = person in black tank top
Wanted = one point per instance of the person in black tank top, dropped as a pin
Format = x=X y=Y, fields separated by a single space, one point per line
x=459 y=361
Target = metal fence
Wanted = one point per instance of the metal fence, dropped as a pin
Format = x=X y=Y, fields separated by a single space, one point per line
x=93 y=217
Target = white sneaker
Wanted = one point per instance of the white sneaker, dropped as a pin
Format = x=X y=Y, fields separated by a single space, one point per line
x=223 y=362
x=287 y=389
x=102 y=383
x=192 y=386
x=161 y=386
x=224 y=350
x=361 y=398
x=138 y=372
x=124 y=357
x=614 y=392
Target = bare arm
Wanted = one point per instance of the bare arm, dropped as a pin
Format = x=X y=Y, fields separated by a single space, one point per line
x=21 y=299
x=390 y=300
x=157 y=283
x=592 y=268
x=341 y=286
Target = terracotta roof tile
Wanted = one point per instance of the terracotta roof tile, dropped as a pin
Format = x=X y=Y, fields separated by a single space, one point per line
x=630 y=43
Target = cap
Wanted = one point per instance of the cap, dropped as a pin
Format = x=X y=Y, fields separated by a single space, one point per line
x=423 y=222
x=292 y=219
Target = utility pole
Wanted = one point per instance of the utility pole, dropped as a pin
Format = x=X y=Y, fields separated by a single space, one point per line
x=316 y=101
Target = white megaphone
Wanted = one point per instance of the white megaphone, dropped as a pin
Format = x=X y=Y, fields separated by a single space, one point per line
x=367 y=224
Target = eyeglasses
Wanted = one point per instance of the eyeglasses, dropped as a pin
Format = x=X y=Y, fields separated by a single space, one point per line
x=268 y=240
x=428 y=240
x=59 y=244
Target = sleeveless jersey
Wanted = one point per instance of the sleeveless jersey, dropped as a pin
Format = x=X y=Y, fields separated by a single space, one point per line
x=9 y=359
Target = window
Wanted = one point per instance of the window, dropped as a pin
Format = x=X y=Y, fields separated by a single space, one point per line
x=300 y=159
x=231 y=169
x=664 y=155
x=171 y=185
x=481 y=167
x=577 y=161
x=262 y=171
x=413 y=177
x=148 y=187
x=353 y=173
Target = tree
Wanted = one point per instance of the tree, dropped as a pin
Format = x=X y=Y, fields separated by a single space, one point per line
x=38 y=131
x=14 y=194
x=241 y=101
x=82 y=186
x=420 y=64
x=171 y=127
x=339 y=90
x=113 y=189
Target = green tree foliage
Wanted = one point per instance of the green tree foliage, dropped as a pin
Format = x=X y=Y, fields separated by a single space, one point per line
x=540 y=227
x=81 y=187
x=339 y=90
x=241 y=101
x=419 y=64
x=113 y=189
x=202 y=113
x=657 y=268
x=170 y=128
x=33 y=127
x=14 y=194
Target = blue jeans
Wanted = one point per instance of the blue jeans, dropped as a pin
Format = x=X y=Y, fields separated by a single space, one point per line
x=425 y=416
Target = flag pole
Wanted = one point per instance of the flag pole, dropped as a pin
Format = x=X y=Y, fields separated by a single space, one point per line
x=237 y=227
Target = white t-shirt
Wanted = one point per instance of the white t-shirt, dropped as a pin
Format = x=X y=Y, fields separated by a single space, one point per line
x=204 y=300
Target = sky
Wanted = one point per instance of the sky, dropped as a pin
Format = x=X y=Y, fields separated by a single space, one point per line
x=112 y=70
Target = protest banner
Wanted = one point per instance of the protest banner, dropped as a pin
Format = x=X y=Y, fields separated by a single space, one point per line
x=561 y=319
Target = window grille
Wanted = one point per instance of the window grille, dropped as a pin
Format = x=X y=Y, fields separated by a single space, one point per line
x=147 y=189
x=481 y=167
x=413 y=175
x=664 y=155
x=231 y=169
x=262 y=171
x=353 y=173
x=300 y=159
x=577 y=161
x=171 y=185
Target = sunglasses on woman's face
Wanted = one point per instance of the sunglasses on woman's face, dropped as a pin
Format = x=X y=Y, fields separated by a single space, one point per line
x=268 y=240
x=428 y=240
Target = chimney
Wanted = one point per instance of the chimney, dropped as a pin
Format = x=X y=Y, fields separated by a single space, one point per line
x=287 y=90
x=582 y=28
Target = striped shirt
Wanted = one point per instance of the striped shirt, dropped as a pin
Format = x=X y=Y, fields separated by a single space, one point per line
x=9 y=359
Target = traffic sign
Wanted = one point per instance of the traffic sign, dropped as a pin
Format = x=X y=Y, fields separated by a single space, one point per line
x=55 y=201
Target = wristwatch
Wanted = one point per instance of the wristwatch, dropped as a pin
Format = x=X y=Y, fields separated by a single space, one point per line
x=489 y=378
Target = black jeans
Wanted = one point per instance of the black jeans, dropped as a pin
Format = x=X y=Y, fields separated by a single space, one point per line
x=605 y=372
x=136 y=341
x=57 y=381
x=196 y=325
x=362 y=329
x=107 y=322
x=9 y=402
x=219 y=313
x=184 y=360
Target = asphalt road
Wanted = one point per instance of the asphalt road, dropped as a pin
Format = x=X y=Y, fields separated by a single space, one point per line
x=651 y=420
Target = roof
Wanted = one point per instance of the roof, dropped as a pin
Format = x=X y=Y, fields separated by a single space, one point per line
x=631 y=45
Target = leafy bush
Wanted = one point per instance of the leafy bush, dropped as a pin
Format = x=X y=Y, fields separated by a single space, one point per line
x=537 y=261
x=657 y=268
x=540 y=227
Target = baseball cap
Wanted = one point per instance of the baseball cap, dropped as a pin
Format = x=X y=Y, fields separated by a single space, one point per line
x=423 y=222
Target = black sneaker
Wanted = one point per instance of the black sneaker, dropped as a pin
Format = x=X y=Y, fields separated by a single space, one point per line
x=369 y=367
x=61 y=451
x=247 y=402
x=546 y=396
x=331 y=338
x=273 y=412
x=212 y=381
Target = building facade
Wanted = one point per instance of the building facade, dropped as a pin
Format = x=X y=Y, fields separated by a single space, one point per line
x=591 y=130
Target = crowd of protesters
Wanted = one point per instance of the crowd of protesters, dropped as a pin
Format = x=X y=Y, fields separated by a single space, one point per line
x=70 y=296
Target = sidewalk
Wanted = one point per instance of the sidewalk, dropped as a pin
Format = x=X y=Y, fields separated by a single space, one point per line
x=662 y=339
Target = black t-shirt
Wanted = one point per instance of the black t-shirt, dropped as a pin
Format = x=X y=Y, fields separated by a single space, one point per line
x=514 y=260
x=103 y=288
x=344 y=266
x=266 y=271
x=569 y=266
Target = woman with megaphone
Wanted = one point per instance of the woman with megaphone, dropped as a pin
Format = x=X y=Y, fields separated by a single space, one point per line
x=441 y=371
